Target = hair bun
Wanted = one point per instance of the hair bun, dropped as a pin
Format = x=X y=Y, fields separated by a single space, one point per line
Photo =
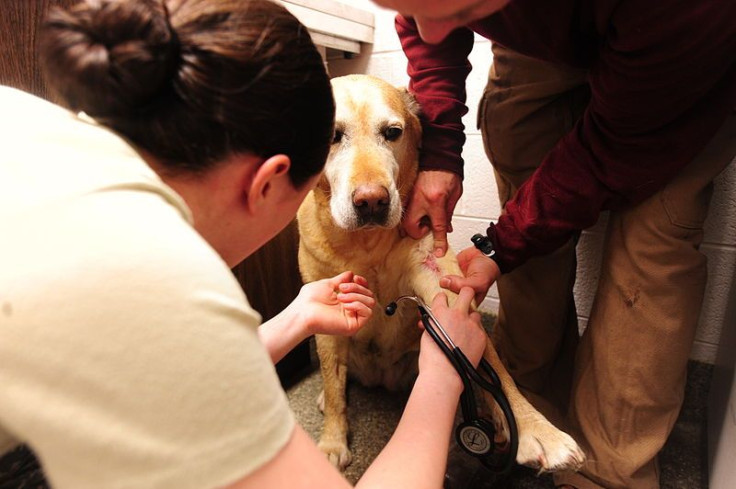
x=110 y=57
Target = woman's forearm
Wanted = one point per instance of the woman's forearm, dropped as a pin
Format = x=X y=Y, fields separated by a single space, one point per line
x=416 y=455
x=283 y=332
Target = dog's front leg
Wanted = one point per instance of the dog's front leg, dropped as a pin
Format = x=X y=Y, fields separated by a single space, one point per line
x=425 y=279
x=541 y=444
x=333 y=358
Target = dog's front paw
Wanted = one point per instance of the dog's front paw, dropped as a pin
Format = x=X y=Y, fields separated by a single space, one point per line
x=546 y=448
x=337 y=452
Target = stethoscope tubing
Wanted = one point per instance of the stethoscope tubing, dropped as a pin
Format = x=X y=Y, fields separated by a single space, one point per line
x=469 y=374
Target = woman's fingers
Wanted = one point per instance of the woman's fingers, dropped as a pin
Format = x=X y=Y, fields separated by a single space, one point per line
x=347 y=298
x=344 y=277
x=355 y=288
x=464 y=299
x=360 y=280
x=439 y=300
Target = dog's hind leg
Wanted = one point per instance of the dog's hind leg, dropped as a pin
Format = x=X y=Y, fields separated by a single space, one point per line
x=333 y=354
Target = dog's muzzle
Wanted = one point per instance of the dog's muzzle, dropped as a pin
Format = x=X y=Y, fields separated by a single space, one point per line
x=371 y=203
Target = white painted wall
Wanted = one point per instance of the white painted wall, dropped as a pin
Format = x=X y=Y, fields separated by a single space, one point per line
x=722 y=407
x=479 y=203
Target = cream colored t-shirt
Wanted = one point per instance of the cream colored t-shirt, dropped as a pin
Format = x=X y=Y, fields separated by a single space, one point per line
x=129 y=356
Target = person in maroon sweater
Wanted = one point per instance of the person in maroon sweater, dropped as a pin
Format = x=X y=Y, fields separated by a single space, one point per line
x=591 y=106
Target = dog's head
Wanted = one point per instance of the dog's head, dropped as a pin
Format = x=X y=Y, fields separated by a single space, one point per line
x=373 y=160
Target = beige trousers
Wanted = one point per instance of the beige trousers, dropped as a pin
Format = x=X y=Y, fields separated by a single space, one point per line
x=618 y=389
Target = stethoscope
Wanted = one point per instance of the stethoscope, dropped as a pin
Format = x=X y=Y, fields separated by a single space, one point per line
x=474 y=434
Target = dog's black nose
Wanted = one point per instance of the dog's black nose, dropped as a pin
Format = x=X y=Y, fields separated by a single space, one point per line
x=371 y=203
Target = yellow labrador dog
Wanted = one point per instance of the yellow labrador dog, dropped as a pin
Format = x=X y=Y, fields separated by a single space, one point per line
x=350 y=222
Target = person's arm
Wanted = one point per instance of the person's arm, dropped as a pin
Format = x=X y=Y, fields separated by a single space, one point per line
x=664 y=82
x=437 y=75
x=340 y=305
x=416 y=455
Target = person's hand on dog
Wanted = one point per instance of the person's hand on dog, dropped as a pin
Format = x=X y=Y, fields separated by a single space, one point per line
x=480 y=272
x=434 y=197
x=462 y=324
x=339 y=305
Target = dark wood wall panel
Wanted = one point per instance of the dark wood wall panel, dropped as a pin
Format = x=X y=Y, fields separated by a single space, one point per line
x=270 y=278
x=19 y=23
x=272 y=273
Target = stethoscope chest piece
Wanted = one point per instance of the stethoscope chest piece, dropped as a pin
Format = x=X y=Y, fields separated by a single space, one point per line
x=476 y=437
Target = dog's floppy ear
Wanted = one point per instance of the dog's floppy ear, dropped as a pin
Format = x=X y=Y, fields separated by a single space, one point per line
x=414 y=125
x=410 y=102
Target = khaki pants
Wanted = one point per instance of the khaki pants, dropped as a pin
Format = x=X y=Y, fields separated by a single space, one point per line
x=618 y=389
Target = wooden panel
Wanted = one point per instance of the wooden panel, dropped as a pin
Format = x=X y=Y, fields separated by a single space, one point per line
x=337 y=9
x=19 y=23
x=334 y=42
x=270 y=278
x=318 y=21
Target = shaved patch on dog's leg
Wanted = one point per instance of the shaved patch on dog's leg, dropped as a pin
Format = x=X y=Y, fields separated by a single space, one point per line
x=430 y=263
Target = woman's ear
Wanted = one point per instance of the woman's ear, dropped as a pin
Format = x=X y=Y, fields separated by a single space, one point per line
x=268 y=182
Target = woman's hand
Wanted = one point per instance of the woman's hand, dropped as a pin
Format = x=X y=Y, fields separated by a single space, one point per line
x=462 y=325
x=479 y=270
x=339 y=305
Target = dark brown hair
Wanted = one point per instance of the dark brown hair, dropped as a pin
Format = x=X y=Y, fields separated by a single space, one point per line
x=194 y=81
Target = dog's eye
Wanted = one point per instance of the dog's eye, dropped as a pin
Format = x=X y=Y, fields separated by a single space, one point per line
x=392 y=133
x=337 y=137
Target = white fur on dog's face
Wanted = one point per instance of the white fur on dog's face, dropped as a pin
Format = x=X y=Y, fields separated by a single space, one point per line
x=363 y=169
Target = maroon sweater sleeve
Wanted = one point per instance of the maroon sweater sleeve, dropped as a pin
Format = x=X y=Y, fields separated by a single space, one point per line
x=437 y=80
x=662 y=80
x=662 y=85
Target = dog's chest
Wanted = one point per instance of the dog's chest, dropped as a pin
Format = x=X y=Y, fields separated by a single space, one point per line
x=385 y=351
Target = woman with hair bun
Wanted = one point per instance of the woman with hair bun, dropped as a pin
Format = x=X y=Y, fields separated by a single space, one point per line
x=129 y=355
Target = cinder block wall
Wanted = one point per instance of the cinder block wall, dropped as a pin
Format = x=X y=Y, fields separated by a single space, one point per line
x=479 y=203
